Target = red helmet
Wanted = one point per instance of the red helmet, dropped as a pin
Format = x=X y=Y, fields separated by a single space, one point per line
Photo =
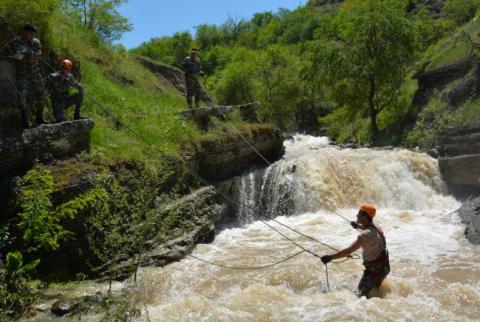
x=66 y=64
x=369 y=210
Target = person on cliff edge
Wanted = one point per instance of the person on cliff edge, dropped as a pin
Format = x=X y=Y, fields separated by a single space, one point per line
x=374 y=246
x=59 y=84
x=193 y=69
x=25 y=52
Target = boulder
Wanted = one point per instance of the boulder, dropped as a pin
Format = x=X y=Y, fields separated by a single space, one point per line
x=62 y=307
x=470 y=215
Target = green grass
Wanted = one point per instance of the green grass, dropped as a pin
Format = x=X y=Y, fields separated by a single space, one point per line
x=453 y=48
x=114 y=80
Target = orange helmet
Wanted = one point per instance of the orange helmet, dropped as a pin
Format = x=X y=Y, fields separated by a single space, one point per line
x=66 y=64
x=368 y=209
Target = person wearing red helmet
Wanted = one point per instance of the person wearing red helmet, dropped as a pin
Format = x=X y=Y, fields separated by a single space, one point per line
x=59 y=84
x=374 y=246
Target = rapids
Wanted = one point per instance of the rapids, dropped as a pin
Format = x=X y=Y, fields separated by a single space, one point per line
x=435 y=272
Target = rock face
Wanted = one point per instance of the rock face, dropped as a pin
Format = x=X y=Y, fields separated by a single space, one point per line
x=460 y=161
x=202 y=115
x=200 y=211
x=439 y=78
x=169 y=76
x=20 y=151
x=218 y=161
x=470 y=215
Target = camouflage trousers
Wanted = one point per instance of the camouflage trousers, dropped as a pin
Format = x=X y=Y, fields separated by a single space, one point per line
x=60 y=105
x=31 y=97
x=374 y=274
x=193 y=90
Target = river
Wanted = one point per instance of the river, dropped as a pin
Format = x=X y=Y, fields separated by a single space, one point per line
x=435 y=271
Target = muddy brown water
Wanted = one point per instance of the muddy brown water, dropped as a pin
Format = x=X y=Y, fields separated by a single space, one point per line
x=435 y=271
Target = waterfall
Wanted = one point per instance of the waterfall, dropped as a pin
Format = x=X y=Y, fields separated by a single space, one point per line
x=434 y=275
x=266 y=193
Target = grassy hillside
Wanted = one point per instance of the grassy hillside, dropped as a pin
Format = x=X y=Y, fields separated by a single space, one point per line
x=117 y=82
x=440 y=111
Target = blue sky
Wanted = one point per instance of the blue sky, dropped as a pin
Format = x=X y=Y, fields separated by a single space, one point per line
x=153 y=18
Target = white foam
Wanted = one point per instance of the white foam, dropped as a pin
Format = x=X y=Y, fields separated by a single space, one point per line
x=435 y=275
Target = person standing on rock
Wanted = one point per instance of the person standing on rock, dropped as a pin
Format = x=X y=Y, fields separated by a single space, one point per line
x=25 y=51
x=59 y=84
x=375 y=254
x=193 y=69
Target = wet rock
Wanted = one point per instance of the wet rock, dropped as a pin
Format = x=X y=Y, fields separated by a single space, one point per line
x=200 y=211
x=433 y=153
x=97 y=299
x=349 y=146
x=470 y=215
x=63 y=307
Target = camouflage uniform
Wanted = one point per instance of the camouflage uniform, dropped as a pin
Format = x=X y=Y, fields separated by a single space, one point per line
x=59 y=86
x=192 y=69
x=29 y=81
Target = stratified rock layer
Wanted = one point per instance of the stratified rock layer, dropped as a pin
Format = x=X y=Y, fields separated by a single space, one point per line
x=18 y=152
x=460 y=161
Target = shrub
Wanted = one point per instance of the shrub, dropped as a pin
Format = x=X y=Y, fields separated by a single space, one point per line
x=462 y=10
x=16 y=293
x=40 y=221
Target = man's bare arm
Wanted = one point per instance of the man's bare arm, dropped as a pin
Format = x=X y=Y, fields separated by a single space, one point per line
x=349 y=250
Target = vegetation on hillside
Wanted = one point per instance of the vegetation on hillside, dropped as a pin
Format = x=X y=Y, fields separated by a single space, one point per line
x=343 y=67
x=346 y=64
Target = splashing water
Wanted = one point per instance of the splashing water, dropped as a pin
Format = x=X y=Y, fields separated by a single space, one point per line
x=435 y=273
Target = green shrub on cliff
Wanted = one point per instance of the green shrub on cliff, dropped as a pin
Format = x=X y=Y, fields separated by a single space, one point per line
x=39 y=221
x=432 y=122
x=16 y=291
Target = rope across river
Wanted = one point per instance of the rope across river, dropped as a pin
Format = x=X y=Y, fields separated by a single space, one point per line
x=226 y=197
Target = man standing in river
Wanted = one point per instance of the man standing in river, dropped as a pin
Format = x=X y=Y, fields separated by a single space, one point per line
x=375 y=254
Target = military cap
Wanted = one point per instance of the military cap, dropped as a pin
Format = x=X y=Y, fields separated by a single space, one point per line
x=29 y=27
x=195 y=50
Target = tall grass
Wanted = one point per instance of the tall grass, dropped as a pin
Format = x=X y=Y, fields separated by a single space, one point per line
x=115 y=81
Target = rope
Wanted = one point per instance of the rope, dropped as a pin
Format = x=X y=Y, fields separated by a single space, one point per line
x=206 y=182
x=244 y=139
x=326 y=274
x=247 y=267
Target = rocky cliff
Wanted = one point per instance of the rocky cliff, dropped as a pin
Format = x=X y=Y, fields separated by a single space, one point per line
x=460 y=160
x=18 y=152
x=199 y=213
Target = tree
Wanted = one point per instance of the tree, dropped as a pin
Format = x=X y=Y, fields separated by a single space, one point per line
x=100 y=16
x=277 y=72
x=235 y=84
x=14 y=13
x=368 y=56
